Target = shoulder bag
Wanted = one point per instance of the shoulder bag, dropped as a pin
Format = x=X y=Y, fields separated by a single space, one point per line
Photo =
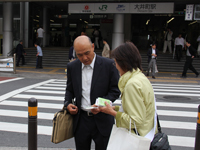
x=62 y=126
x=160 y=140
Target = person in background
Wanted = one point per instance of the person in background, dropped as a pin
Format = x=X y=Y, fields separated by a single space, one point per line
x=179 y=46
x=96 y=35
x=106 y=49
x=198 y=49
x=20 y=53
x=190 y=54
x=89 y=77
x=137 y=93
x=167 y=40
x=39 y=56
x=152 y=56
x=71 y=54
x=40 y=35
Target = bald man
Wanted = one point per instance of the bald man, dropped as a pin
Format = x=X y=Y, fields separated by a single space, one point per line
x=89 y=77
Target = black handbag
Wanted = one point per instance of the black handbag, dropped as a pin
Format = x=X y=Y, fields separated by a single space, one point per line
x=160 y=140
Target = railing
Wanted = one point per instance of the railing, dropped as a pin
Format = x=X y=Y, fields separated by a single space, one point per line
x=8 y=64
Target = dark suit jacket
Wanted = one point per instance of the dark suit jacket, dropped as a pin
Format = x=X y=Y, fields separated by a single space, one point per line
x=192 y=51
x=149 y=54
x=19 y=49
x=104 y=84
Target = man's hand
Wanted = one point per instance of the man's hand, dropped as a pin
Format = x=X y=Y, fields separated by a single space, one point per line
x=72 y=109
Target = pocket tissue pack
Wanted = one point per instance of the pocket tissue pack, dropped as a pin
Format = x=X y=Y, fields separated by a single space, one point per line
x=101 y=102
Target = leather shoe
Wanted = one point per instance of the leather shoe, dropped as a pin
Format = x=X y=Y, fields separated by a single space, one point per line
x=153 y=77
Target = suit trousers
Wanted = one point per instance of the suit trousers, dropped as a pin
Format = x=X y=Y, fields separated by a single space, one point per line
x=188 y=65
x=39 y=62
x=178 y=52
x=167 y=44
x=87 y=131
x=18 y=59
x=153 y=64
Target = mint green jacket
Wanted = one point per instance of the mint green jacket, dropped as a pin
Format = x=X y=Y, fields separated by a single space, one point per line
x=137 y=101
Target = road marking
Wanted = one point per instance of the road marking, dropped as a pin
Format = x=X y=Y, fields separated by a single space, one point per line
x=178 y=85
x=47 y=130
x=173 y=90
x=178 y=125
x=10 y=94
x=43 y=97
x=45 y=91
x=176 y=94
x=59 y=82
x=23 y=128
x=181 y=141
x=54 y=85
x=24 y=114
x=177 y=113
x=10 y=80
x=50 y=88
x=25 y=104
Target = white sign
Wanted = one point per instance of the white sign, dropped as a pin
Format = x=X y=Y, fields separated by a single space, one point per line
x=6 y=64
x=114 y=8
x=189 y=12
x=154 y=8
x=197 y=12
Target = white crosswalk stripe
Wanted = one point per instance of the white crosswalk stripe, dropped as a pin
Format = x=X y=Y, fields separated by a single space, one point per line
x=50 y=96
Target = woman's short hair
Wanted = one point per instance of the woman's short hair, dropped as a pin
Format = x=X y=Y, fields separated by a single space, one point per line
x=127 y=57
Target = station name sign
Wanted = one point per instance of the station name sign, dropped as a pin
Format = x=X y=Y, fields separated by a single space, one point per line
x=130 y=8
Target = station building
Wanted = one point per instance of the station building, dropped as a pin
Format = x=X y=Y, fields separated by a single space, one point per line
x=141 y=21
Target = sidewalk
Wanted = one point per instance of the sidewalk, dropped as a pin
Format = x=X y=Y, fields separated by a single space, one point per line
x=59 y=73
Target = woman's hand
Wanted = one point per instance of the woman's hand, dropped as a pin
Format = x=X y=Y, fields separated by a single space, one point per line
x=108 y=109
x=96 y=110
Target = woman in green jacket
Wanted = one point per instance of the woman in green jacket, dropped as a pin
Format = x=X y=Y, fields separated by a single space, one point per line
x=137 y=93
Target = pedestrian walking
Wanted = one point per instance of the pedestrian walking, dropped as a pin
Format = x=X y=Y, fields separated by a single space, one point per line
x=40 y=35
x=198 y=49
x=20 y=52
x=39 y=56
x=167 y=40
x=152 y=56
x=179 y=46
x=190 y=54
x=106 y=49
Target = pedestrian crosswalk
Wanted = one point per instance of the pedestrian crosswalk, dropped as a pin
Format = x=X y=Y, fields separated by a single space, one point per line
x=177 y=118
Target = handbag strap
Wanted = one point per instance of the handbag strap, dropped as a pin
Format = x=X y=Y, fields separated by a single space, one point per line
x=159 y=127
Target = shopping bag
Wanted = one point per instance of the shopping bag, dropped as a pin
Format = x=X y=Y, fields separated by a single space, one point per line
x=62 y=126
x=122 y=139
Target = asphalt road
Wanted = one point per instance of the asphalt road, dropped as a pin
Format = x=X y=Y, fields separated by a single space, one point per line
x=176 y=103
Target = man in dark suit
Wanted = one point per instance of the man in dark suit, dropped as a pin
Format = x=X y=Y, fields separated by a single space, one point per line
x=152 y=56
x=20 y=53
x=190 y=54
x=89 y=77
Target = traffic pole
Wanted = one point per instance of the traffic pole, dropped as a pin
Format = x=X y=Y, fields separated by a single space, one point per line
x=32 y=124
x=197 y=138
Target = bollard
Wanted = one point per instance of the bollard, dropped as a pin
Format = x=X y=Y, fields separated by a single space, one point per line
x=197 y=138
x=32 y=124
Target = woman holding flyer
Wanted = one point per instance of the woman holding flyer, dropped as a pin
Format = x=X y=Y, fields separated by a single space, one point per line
x=138 y=104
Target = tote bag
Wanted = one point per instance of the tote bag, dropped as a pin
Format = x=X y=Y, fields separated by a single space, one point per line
x=122 y=139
